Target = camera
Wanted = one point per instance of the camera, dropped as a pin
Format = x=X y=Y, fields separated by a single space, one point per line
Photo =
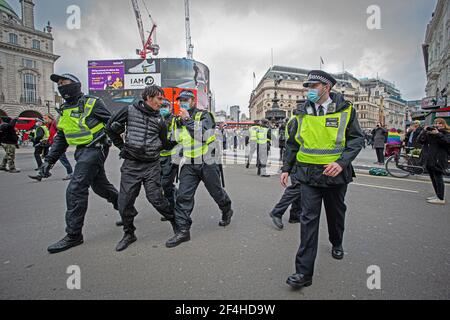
x=431 y=128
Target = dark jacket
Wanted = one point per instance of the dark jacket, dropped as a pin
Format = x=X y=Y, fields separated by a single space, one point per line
x=8 y=133
x=146 y=133
x=435 y=151
x=99 y=114
x=415 y=142
x=313 y=174
x=379 y=137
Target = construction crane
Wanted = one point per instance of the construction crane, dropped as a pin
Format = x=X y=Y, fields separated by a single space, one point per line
x=189 y=46
x=148 y=47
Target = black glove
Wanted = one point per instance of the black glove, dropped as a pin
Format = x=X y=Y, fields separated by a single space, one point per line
x=45 y=170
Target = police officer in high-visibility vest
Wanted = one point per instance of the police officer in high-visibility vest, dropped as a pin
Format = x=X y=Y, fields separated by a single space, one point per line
x=40 y=142
x=251 y=141
x=81 y=124
x=264 y=138
x=197 y=137
x=323 y=141
x=170 y=158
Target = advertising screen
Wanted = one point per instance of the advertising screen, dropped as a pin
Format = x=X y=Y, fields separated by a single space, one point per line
x=120 y=82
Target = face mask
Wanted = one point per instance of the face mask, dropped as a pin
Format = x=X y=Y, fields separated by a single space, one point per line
x=72 y=90
x=313 y=95
x=164 y=112
x=185 y=106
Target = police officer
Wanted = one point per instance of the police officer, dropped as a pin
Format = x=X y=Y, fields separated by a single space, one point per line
x=81 y=124
x=264 y=136
x=252 y=142
x=145 y=138
x=169 y=163
x=40 y=136
x=323 y=141
x=198 y=139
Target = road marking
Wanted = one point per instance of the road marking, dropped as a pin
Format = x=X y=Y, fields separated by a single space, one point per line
x=391 y=178
x=386 y=188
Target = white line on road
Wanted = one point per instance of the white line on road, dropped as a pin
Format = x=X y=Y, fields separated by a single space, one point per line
x=380 y=187
x=391 y=178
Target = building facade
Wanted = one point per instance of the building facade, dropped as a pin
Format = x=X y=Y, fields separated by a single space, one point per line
x=436 y=51
x=375 y=100
x=26 y=63
x=235 y=113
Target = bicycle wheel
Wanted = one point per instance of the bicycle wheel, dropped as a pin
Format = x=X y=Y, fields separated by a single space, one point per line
x=394 y=166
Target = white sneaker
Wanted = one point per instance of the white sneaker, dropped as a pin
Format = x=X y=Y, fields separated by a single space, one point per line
x=431 y=198
x=436 y=201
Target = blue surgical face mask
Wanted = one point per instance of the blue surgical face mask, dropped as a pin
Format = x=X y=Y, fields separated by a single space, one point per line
x=164 y=112
x=313 y=95
x=185 y=106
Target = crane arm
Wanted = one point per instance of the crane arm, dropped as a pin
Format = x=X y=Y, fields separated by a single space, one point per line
x=137 y=12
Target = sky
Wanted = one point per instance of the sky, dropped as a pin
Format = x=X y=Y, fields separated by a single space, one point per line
x=234 y=38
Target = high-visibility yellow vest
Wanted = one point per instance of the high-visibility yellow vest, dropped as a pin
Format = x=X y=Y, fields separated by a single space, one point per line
x=46 y=132
x=172 y=134
x=322 y=138
x=195 y=148
x=73 y=123
x=253 y=132
x=262 y=135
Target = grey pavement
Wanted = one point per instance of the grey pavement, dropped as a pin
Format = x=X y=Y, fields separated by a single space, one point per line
x=389 y=224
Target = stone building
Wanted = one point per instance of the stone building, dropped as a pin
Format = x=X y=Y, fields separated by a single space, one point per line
x=26 y=63
x=375 y=100
x=436 y=50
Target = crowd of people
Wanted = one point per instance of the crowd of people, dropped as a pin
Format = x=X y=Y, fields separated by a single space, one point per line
x=317 y=148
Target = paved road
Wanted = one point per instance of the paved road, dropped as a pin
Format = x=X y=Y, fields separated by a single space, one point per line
x=388 y=224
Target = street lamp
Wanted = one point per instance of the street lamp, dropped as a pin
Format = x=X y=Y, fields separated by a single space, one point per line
x=47 y=103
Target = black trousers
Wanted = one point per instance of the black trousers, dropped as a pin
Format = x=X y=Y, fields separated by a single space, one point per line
x=437 y=178
x=282 y=147
x=89 y=173
x=292 y=197
x=262 y=158
x=312 y=197
x=134 y=174
x=190 y=177
x=40 y=152
x=169 y=172
x=380 y=154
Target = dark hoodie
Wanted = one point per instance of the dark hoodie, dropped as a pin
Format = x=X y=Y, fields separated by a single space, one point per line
x=8 y=133
x=146 y=134
x=313 y=174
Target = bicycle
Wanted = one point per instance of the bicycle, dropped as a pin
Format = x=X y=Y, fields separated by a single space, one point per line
x=404 y=165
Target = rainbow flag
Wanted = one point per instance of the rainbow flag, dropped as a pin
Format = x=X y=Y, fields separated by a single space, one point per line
x=394 y=138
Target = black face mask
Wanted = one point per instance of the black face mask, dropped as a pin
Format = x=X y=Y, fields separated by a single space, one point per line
x=70 y=91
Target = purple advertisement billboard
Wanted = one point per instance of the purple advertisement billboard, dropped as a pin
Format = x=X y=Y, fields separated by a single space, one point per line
x=106 y=75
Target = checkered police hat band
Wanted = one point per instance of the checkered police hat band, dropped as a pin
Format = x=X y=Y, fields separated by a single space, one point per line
x=315 y=77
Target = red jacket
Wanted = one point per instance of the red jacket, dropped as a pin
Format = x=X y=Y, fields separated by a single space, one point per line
x=53 y=130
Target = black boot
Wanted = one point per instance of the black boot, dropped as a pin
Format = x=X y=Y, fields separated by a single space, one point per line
x=126 y=241
x=37 y=178
x=277 y=221
x=298 y=281
x=179 y=238
x=226 y=218
x=66 y=243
